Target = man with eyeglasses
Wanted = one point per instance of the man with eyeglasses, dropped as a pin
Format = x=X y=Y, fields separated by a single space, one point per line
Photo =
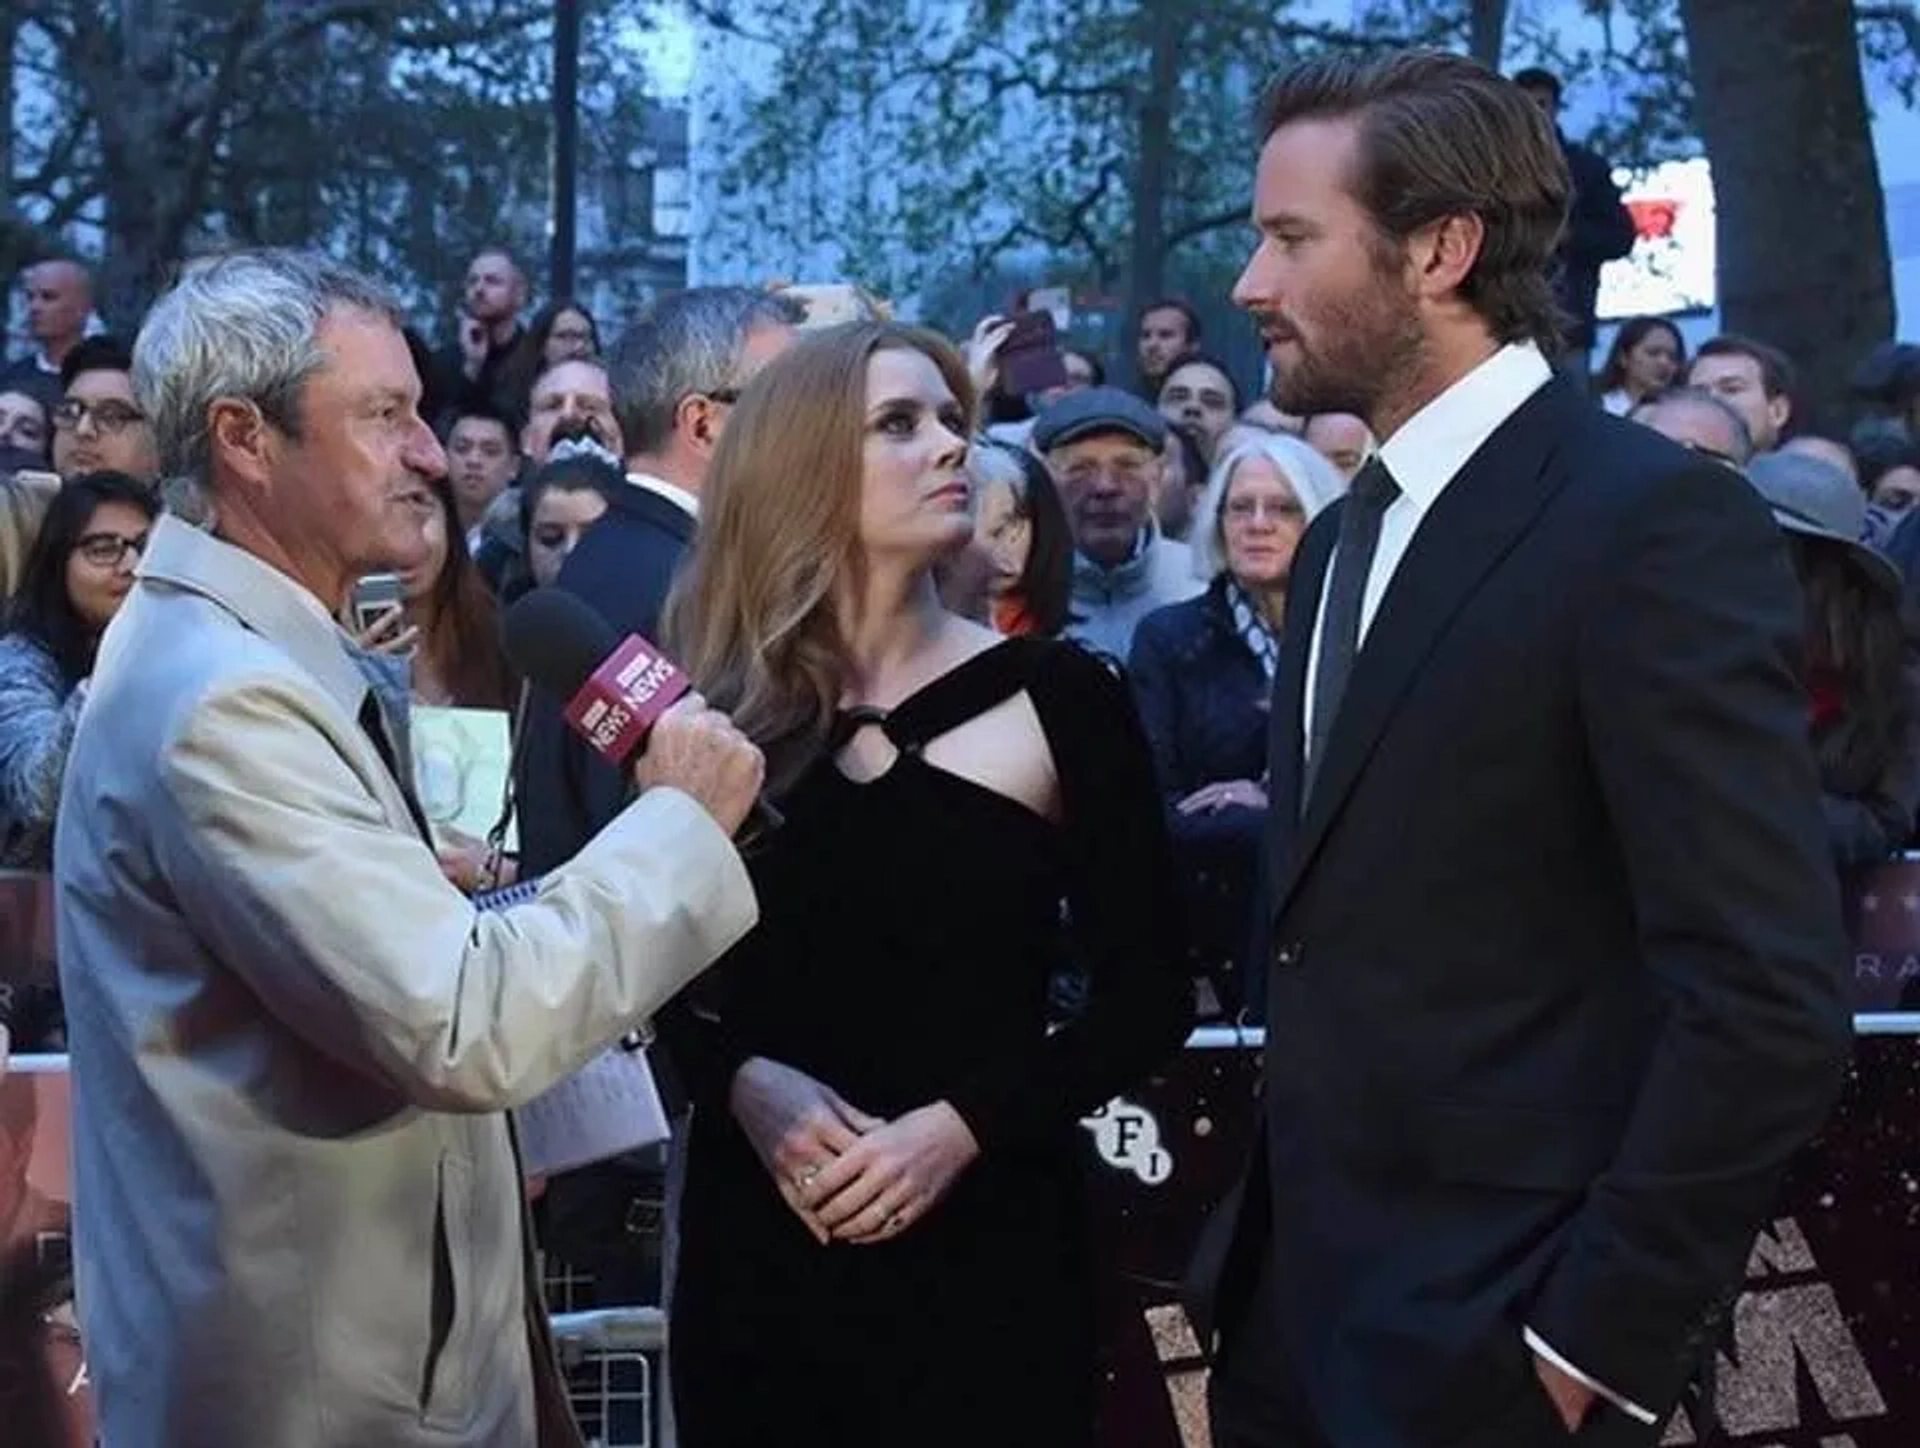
x=675 y=373
x=98 y=426
x=1104 y=448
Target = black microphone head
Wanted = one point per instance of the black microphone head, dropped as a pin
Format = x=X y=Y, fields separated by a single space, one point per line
x=555 y=640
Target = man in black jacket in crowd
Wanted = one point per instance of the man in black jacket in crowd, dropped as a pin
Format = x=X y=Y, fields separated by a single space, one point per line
x=1599 y=227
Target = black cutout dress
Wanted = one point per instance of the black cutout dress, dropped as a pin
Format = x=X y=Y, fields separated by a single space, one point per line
x=910 y=927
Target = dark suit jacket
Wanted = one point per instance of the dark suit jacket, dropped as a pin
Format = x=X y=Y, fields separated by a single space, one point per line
x=623 y=567
x=453 y=389
x=1557 y=982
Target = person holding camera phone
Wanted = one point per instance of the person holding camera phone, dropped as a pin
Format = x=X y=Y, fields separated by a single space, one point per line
x=439 y=616
x=1013 y=361
x=441 y=626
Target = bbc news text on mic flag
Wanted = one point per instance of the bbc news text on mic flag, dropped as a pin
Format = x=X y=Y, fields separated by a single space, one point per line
x=624 y=698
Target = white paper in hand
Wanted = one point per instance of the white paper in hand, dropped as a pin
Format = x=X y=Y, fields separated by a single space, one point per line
x=610 y=1107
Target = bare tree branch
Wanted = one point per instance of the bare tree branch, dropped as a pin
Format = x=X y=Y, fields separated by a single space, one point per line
x=1486 y=31
x=58 y=160
x=1201 y=225
x=1898 y=17
x=446 y=36
x=69 y=207
x=719 y=16
x=191 y=191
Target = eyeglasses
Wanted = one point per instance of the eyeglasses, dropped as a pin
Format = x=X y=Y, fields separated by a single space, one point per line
x=108 y=415
x=728 y=395
x=1725 y=459
x=105 y=550
x=1245 y=510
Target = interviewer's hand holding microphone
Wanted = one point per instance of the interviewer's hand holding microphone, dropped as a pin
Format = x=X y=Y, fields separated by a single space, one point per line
x=635 y=708
x=698 y=751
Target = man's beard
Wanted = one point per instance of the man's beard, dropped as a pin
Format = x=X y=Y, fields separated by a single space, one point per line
x=1363 y=346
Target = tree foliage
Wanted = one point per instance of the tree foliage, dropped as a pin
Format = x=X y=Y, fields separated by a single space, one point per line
x=399 y=133
x=924 y=139
x=1107 y=140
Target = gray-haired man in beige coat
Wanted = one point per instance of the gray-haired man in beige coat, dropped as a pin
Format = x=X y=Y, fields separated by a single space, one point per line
x=298 y=1214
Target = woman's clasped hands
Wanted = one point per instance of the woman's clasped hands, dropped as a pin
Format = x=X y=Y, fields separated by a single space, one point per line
x=847 y=1175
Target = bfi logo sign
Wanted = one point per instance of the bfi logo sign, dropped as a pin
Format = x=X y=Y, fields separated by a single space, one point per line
x=624 y=697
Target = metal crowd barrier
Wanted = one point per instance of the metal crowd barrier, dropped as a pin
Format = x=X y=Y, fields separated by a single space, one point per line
x=611 y=1359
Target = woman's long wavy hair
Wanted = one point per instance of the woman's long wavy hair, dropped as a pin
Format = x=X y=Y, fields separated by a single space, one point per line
x=756 y=615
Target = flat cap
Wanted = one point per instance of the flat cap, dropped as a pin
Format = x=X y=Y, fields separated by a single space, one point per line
x=1095 y=410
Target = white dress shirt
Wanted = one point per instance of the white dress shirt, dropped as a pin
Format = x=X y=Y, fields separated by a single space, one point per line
x=1425 y=455
x=675 y=494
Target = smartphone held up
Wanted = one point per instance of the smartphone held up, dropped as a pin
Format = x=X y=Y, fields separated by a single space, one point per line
x=376 y=598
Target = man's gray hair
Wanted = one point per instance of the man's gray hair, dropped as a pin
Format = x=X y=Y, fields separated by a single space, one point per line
x=244 y=325
x=1739 y=435
x=686 y=343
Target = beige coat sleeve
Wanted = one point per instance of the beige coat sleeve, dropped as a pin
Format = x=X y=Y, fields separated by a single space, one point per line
x=288 y=866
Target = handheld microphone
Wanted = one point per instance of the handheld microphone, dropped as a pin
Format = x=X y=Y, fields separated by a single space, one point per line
x=616 y=688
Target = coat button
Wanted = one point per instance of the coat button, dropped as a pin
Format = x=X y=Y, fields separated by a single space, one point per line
x=1288 y=955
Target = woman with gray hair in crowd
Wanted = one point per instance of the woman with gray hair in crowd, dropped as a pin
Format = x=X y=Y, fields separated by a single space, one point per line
x=1202 y=672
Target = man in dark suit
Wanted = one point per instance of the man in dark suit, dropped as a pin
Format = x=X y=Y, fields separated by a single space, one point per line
x=1556 y=983
x=676 y=374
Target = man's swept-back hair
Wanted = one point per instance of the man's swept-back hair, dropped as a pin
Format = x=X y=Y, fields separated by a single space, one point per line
x=1441 y=135
x=686 y=343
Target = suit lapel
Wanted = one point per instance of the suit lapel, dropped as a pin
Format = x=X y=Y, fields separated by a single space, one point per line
x=1285 y=713
x=1475 y=522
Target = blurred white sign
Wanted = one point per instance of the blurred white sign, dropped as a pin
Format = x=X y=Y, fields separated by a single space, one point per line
x=1671 y=267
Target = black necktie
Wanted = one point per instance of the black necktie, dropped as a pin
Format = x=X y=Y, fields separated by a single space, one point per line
x=375 y=724
x=1368 y=498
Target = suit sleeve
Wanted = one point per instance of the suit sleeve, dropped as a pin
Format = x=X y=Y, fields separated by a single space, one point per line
x=1870 y=828
x=1696 y=730
x=1124 y=919
x=285 y=863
